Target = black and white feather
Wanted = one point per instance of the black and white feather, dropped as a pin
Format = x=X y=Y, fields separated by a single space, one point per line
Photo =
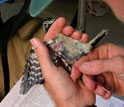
x=47 y=23
x=32 y=73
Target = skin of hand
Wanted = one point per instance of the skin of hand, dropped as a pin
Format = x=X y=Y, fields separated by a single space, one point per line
x=117 y=7
x=110 y=80
x=106 y=62
x=64 y=91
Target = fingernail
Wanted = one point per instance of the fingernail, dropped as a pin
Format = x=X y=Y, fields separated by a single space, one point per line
x=85 y=67
x=34 y=43
x=73 y=76
x=75 y=72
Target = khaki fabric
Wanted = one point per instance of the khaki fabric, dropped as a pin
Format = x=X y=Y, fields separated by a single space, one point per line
x=18 y=48
x=1 y=81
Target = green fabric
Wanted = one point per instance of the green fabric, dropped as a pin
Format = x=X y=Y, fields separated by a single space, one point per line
x=37 y=6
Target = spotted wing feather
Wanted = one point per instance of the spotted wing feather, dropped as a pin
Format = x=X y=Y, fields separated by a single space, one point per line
x=32 y=73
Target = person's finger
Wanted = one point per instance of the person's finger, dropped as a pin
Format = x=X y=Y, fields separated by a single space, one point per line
x=76 y=35
x=97 y=88
x=96 y=67
x=94 y=86
x=85 y=38
x=75 y=73
x=55 y=28
x=109 y=83
x=107 y=96
x=102 y=91
x=68 y=30
x=43 y=57
x=89 y=82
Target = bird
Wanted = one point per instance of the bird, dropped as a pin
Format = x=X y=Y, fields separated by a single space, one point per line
x=62 y=48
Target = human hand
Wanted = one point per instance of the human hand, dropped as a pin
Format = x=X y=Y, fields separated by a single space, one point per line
x=106 y=63
x=65 y=92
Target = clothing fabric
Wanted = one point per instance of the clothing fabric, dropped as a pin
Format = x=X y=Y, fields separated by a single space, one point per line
x=18 y=48
x=7 y=31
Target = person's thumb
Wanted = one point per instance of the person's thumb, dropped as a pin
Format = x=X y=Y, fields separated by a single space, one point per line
x=115 y=65
x=43 y=57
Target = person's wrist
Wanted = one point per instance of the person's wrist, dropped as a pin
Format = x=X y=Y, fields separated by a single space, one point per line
x=66 y=104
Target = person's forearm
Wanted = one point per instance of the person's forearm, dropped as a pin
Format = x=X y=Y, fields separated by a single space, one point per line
x=118 y=7
x=114 y=2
